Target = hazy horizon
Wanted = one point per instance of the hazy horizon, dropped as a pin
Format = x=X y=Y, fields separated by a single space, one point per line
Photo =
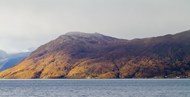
x=30 y=23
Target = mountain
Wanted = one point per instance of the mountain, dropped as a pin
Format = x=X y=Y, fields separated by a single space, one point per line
x=3 y=54
x=12 y=59
x=84 y=55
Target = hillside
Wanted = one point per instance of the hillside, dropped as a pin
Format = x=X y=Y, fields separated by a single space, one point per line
x=12 y=59
x=84 y=55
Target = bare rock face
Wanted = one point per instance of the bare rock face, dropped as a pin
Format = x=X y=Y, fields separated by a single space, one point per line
x=93 y=55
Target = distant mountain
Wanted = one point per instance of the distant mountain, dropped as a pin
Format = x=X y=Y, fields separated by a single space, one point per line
x=3 y=54
x=12 y=59
x=84 y=55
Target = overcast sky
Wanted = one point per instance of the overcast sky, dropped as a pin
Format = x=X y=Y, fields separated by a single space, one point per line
x=31 y=23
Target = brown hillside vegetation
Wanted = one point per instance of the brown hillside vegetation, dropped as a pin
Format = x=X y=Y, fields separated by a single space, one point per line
x=83 y=55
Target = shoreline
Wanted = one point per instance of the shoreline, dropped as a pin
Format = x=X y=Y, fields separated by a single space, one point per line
x=103 y=79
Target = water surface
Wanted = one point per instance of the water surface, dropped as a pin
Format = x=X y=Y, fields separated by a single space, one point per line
x=95 y=88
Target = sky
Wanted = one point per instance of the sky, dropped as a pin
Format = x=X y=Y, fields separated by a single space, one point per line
x=30 y=23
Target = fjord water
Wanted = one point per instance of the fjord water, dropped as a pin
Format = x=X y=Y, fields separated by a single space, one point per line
x=95 y=88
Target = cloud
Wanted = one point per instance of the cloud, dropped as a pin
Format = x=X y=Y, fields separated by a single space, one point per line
x=31 y=23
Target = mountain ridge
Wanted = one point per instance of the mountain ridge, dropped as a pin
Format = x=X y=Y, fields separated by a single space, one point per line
x=83 y=55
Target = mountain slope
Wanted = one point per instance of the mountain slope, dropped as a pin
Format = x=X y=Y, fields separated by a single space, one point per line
x=12 y=59
x=82 y=55
x=3 y=54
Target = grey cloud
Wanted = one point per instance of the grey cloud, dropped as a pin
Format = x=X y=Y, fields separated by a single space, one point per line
x=31 y=23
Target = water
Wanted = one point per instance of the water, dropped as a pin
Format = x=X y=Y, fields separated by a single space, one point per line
x=94 y=88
